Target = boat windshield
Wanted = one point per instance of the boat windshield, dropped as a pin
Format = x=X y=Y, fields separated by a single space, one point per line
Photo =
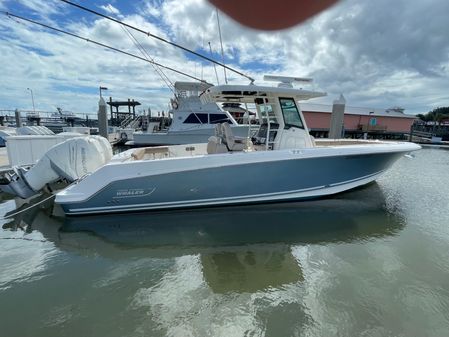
x=219 y=118
x=290 y=113
x=203 y=118
x=266 y=113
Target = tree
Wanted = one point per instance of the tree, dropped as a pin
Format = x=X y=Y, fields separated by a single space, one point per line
x=436 y=115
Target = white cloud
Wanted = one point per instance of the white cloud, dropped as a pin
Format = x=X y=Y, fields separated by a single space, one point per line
x=152 y=8
x=378 y=54
x=110 y=9
x=43 y=8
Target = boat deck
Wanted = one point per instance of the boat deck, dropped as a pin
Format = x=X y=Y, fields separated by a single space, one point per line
x=200 y=149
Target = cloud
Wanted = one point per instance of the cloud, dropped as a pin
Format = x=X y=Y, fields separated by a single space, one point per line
x=110 y=9
x=42 y=8
x=378 y=54
x=152 y=8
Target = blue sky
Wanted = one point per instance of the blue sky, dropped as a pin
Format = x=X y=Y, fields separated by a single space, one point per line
x=378 y=54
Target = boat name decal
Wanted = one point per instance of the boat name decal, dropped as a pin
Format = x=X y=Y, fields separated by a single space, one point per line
x=134 y=192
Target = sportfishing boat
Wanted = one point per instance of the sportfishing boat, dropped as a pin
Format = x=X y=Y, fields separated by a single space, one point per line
x=192 y=122
x=281 y=162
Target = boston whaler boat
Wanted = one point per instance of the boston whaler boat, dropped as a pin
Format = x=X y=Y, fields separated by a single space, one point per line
x=282 y=162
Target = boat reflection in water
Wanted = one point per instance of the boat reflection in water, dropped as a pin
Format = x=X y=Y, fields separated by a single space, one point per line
x=241 y=249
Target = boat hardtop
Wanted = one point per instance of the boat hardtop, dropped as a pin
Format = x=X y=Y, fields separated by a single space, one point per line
x=247 y=93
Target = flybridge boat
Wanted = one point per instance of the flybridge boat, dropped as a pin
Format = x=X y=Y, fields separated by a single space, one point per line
x=193 y=121
x=281 y=162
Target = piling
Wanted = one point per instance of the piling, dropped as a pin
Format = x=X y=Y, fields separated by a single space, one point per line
x=337 y=118
x=410 y=136
x=18 y=121
x=102 y=118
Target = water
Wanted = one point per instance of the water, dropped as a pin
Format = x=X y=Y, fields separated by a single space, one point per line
x=370 y=262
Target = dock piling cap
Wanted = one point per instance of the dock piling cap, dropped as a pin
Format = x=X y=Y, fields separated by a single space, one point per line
x=341 y=100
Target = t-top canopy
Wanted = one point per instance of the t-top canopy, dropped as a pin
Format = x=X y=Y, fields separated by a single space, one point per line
x=247 y=93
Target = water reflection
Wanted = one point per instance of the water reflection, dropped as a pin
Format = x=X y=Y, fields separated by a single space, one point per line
x=24 y=253
x=250 y=270
x=241 y=249
x=359 y=215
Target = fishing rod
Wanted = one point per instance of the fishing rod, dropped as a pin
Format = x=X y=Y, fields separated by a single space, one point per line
x=158 y=38
x=102 y=45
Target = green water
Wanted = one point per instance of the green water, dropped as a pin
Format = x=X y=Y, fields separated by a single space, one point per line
x=370 y=262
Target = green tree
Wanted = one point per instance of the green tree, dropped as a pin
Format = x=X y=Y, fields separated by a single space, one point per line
x=436 y=115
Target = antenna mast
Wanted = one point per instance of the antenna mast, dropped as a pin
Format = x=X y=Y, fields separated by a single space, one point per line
x=221 y=43
x=215 y=68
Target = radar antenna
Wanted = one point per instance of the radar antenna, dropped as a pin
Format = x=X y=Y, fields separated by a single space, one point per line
x=286 y=81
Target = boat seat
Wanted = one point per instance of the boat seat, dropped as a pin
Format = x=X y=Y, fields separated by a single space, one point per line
x=219 y=131
x=233 y=143
x=215 y=145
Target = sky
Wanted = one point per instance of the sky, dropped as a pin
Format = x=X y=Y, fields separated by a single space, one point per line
x=378 y=53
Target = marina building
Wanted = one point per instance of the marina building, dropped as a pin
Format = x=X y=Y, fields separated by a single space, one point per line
x=390 y=123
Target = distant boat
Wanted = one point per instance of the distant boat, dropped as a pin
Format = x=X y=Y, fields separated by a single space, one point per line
x=55 y=121
x=192 y=121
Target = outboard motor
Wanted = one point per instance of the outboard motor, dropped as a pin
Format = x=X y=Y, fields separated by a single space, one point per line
x=70 y=160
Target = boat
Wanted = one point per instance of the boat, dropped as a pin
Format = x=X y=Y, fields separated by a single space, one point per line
x=192 y=122
x=281 y=163
x=55 y=121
